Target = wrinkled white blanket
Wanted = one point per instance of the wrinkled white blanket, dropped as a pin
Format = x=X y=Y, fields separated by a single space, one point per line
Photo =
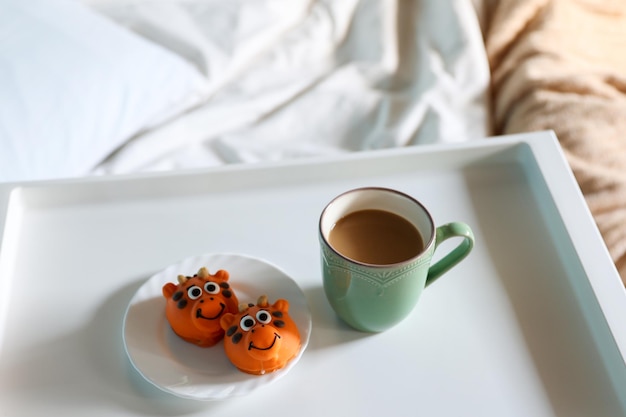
x=294 y=78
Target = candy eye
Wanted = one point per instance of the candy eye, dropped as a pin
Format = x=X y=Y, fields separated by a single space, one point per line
x=194 y=292
x=263 y=317
x=247 y=322
x=211 y=288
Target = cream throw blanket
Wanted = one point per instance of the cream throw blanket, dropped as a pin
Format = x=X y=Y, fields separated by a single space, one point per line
x=561 y=65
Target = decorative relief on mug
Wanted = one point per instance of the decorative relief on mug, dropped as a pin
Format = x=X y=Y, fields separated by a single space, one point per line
x=379 y=277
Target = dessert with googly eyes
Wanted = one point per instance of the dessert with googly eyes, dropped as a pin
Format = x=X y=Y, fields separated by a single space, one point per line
x=261 y=338
x=196 y=304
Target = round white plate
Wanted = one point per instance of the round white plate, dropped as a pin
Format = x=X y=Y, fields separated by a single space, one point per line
x=190 y=371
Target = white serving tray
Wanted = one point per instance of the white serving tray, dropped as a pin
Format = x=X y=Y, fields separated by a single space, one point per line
x=532 y=323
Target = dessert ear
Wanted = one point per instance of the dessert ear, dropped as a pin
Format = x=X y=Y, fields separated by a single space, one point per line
x=227 y=320
x=222 y=274
x=281 y=305
x=169 y=289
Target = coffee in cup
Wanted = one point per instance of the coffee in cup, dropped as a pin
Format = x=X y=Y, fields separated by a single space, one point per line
x=376 y=237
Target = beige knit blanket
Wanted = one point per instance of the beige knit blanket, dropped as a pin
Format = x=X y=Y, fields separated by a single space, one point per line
x=561 y=65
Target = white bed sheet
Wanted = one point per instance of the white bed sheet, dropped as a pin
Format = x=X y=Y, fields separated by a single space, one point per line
x=297 y=78
x=123 y=86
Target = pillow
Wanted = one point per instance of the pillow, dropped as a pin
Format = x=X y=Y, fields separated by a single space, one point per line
x=75 y=86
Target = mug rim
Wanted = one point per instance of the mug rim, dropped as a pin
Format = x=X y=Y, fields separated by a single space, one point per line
x=422 y=253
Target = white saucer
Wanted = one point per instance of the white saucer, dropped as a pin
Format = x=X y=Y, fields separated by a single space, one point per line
x=189 y=371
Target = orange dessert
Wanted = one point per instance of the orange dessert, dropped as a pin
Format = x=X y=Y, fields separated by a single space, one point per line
x=260 y=338
x=195 y=306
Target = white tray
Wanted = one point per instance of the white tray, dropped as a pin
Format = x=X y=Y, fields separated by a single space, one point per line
x=531 y=324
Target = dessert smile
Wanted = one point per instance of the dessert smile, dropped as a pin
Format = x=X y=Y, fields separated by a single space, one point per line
x=251 y=345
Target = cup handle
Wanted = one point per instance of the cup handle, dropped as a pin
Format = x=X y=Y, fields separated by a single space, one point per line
x=446 y=231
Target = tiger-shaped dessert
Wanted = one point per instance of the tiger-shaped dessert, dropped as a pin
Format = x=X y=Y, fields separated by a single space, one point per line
x=196 y=304
x=261 y=338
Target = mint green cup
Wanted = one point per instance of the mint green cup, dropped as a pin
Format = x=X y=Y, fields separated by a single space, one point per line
x=373 y=298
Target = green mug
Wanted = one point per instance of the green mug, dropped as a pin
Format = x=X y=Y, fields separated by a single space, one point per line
x=371 y=296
